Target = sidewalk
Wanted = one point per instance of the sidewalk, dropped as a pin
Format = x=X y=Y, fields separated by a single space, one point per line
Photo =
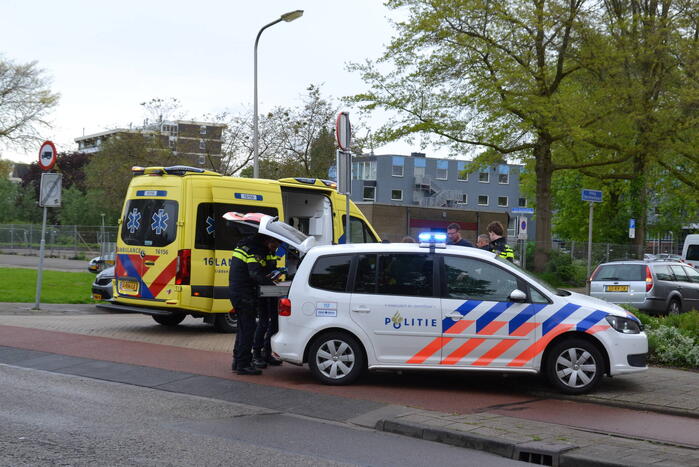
x=666 y=391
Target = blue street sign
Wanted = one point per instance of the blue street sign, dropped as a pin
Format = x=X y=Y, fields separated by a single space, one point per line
x=632 y=223
x=592 y=195
x=522 y=211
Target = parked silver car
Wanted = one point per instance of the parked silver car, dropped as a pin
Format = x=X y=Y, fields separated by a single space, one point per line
x=655 y=287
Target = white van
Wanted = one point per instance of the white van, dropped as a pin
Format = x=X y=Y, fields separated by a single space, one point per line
x=690 y=251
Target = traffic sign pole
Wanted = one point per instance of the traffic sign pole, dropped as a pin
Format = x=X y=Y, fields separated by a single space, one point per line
x=40 y=274
x=589 y=247
x=343 y=134
x=47 y=159
x=592 y=196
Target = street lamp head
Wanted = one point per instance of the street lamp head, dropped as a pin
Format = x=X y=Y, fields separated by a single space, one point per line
x=292 y=15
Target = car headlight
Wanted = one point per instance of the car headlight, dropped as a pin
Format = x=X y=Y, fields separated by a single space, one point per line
x=624 y=325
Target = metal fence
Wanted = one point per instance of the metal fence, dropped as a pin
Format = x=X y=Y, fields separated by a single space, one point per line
x=64 y=241
x=601 y=252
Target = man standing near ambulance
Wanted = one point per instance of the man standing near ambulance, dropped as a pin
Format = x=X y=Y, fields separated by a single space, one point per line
x=248 y=271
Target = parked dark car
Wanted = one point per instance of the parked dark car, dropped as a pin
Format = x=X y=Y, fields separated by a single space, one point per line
x=655 y=287
x=99 y=263
x=102 y=287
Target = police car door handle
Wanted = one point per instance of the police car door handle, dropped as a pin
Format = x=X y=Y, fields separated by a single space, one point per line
x=361 y=309
x=455 y=315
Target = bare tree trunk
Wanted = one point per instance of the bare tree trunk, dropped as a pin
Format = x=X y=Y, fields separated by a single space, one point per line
x=544 y=172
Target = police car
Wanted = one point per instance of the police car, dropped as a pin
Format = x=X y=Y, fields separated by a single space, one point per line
x=403 y=306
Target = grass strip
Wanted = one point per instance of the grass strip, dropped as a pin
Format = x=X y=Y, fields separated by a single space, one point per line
x=18 y=285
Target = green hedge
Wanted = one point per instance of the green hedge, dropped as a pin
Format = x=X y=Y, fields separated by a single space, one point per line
x=672 y=340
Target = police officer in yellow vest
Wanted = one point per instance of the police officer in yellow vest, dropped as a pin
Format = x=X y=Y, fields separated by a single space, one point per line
x=248 y=271
x=498 y=243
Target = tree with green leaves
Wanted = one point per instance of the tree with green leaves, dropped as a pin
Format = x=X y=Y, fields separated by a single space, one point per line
x=25 y=102
x=109 y=172
x=643 y=63
x=489 y=76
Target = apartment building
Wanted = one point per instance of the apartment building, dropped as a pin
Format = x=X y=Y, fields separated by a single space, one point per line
x=191 y=139
x=406 y=194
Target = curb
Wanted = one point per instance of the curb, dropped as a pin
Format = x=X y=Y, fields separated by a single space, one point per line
x=561 y=455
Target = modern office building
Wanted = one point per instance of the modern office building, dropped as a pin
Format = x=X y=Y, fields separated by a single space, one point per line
x=431 y=193
x=195 y=140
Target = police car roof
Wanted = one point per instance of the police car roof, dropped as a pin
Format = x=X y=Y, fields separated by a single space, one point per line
x=396 y=248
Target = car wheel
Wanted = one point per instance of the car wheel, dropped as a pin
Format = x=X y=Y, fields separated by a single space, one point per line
x=170 y=320
x=226 y=323
x=336 y=358
x=574 y=366
x=674 y=307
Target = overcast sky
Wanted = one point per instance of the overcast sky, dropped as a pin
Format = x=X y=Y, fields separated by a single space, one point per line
x=105 y=58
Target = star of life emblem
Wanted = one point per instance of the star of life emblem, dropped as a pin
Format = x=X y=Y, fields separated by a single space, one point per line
x=134 y=221
x=210 y=226
x=159 y=223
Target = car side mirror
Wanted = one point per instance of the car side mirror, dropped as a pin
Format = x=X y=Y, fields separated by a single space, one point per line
x=518 y=296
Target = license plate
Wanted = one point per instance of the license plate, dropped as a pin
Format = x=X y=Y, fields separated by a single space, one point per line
x=128 y=287
x=617 y=288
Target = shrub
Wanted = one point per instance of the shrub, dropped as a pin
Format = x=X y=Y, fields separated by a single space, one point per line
x=668 y=345
x=561 y=270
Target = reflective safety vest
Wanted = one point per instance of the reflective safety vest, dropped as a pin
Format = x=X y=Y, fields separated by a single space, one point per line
x=508 y=253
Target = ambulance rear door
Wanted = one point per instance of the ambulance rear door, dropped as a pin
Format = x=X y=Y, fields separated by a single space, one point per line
x=147 y=255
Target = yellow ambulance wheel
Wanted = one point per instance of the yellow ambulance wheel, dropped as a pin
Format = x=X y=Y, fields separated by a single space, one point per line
x=226 y=322
x=170 y=320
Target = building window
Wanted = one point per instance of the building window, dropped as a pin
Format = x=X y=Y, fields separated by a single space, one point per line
x=461 y=174
x=482 y=200
x=202 y=130
x=503 y=174
x=464 y=198
x=484 y=176
x=171 y=141
x=369 y=193
x=398 y=165
x=396 y=195
x=522 y=203
x=202 y=144
x=419 y=167
x=364 y=170
x=502 y=201
x=442 y=170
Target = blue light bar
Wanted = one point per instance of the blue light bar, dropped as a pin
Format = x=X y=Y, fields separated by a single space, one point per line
x=432 y=239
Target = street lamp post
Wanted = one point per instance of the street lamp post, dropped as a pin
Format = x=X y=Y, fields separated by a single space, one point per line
x=288 y=17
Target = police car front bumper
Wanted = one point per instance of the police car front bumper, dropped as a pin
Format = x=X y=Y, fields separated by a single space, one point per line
x=628 y=353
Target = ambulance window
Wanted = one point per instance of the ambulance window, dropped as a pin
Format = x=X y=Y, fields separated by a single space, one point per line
x=405 y=274
x=149 y=222
x=214 y=233
x=470 y=279
x=365 y=281
x=330 y=273
x=360 y=233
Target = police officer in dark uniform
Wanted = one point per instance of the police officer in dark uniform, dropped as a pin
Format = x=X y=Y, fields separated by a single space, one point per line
x=498 y=242
x=267 y=319
x=248 y=271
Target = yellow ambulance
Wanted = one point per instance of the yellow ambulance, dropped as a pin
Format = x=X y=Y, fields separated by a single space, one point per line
x=174 y=247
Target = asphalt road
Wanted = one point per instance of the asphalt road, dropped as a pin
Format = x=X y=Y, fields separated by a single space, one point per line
x=32 y=262
x=55 y=419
